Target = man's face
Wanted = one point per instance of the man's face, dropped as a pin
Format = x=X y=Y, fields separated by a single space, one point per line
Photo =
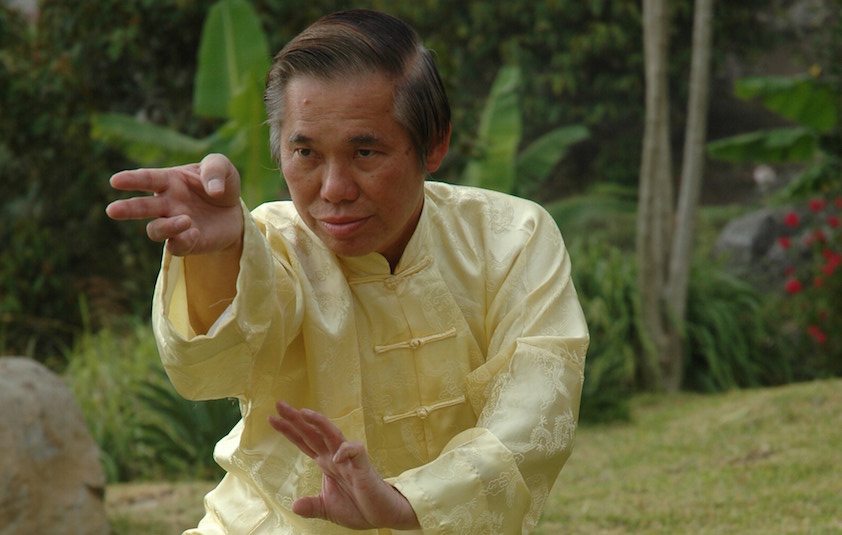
x=352 y=171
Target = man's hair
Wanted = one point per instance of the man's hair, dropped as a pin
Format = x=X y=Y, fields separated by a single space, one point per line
x=360 y=42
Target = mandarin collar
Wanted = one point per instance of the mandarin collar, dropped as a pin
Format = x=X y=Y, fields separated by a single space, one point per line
x=376 y=264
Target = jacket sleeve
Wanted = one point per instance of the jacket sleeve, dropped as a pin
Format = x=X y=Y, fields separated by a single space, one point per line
x=220 y=364
x=495 y=478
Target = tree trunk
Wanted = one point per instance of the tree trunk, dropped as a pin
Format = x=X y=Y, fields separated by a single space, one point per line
x=664 y=257
x=655 y=196
x=692 y=172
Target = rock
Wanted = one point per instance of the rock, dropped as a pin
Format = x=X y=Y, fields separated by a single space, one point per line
x=747 y=239
x=51 y=479
x=750 y=246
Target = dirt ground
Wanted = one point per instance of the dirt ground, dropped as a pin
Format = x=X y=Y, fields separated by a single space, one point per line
x=152 y=508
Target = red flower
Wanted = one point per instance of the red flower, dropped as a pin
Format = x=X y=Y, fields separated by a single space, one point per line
x=784 y=242
x=817 y=334
x=817 y=205
x=838 y=202
x=833 y=221
x=791 y=219
x=818 y=282
x=793 y=286
x=833 y=259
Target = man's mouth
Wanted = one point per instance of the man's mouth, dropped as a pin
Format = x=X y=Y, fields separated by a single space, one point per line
x=342 y=227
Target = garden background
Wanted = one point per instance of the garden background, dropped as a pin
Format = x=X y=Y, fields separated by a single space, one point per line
x=549 y=104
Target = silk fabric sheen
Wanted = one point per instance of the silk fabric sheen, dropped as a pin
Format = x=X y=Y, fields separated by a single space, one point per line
x=461 y=372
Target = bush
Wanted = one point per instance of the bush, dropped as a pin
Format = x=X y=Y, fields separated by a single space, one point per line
x=733 y=333
x=104 y=371
x=144 y=429
x=811 y=302
x=605 y=282
x=58 y=244
x=733 y=337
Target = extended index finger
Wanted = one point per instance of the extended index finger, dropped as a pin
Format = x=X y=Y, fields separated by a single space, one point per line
x=146 y=180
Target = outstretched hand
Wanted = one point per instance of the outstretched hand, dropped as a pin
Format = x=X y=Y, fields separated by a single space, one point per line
x=353 y=494
x=195 y=208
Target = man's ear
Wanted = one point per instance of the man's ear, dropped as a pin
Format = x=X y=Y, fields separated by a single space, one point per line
x=439 y=150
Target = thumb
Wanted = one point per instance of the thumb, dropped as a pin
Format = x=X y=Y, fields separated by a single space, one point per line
x=219 y=177
x=310 y=507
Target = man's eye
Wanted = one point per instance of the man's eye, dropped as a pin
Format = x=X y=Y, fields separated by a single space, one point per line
x=304 y=152
x=365 y=153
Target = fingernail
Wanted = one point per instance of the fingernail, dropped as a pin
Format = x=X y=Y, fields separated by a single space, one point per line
x=215 y=185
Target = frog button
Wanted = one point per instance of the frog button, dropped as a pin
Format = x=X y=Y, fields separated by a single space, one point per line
x=415 y=343
x=391 y=283
x=423 y=412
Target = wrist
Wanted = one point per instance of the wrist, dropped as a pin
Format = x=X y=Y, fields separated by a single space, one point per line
x=407 y=519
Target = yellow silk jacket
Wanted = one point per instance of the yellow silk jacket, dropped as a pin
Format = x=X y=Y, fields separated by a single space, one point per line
x=461 y=372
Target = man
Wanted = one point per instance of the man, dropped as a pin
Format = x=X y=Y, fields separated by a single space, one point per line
x=408 y=355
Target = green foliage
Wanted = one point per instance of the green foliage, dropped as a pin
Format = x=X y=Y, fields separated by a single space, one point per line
x=497 y=164
x=104 y=370
x=138 y=58
x=144 y=429
x=606 y=212
x=498 y=136
x=803 y=99
x=811 y=102
x=57 y=243
x=584 y=62
x=605 y=282
x=183 y=433
x=780 y=145
x=732 y=336
x=732 y=331
x=812 y=242
x=233 y=61
x=233 y=50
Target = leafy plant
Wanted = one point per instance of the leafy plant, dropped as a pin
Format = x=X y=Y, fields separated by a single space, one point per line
x=103 y=372
x=497 y=164
x=732 y=331
x=143 y=428
x=813 y=244
x=606 y=212
x=811 y=102
x=181 y=433
x=605 y=282
x=58 y=247
x=233 y=61
x=732 y=334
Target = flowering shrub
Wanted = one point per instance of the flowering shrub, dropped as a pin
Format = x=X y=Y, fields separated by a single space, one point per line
x=814 y=278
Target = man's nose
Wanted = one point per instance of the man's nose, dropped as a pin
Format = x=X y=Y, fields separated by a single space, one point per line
x=339 y=184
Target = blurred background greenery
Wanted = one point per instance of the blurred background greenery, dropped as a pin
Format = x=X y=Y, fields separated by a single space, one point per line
x=91 y=87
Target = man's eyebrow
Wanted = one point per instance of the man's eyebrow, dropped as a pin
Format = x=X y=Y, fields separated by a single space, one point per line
x=364 y=139
x=297 y=138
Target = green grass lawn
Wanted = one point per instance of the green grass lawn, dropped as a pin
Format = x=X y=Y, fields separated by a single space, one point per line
x=764 y=461
x=756 y=461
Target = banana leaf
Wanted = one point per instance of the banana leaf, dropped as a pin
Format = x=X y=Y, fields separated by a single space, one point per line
x=498 y=136
x=802 y=99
